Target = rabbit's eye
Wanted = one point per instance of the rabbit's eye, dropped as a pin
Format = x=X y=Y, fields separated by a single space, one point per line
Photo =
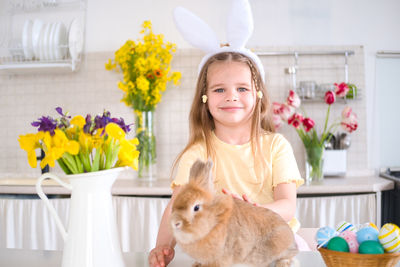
x=196 y=207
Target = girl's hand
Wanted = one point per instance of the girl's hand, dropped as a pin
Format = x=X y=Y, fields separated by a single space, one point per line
x=244 y=197
x=161 y=256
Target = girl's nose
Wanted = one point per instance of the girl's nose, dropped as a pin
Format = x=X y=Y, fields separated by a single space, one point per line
x=231 y=95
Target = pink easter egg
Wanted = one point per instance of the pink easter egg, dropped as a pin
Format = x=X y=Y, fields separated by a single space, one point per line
x=351 y=239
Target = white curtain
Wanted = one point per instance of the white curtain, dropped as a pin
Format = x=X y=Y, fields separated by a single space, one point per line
x=316 y=212
x=27 y=224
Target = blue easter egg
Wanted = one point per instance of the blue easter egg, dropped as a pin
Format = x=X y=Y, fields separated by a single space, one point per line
x=367 y=233
x=324 y=234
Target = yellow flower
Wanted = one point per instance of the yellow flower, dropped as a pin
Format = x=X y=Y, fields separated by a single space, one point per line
x=29 y=143
x=176 y=76
x=55 y=146
x=114 y=131
x=78 y=121
x=145 y=65
x=128 y=155
x=142 y=84
x=109 y=65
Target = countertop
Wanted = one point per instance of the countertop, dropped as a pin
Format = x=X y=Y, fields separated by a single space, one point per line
x=40 y=258
x=161 y=187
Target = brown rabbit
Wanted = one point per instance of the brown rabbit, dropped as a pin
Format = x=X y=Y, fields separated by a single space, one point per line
x=218 y=230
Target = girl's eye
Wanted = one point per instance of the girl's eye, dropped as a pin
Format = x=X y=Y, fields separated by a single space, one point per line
x=219 y=90
x=242 y=89
x=196 y=207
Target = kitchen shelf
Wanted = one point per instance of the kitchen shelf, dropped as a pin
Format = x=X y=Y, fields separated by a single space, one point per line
x=306 y=53
x=24 y=7
x=42 y=67
x=292 y=70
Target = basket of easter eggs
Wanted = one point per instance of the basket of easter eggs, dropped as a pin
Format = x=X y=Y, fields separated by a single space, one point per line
x=359 y=246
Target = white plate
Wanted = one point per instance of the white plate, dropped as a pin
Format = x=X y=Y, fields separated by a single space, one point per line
x=36 y=31
x=45 y=43
x=60 y=41
x=51 y=51
x=75 y=39
x=41 y=44
x=27 y=39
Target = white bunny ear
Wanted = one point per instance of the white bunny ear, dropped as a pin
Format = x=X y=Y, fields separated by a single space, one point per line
x=195 y=31
x=240 y=24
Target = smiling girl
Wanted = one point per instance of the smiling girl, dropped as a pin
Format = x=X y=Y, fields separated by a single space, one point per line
x=231 y=123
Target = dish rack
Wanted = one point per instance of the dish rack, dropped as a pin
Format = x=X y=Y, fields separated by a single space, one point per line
x=43 y=36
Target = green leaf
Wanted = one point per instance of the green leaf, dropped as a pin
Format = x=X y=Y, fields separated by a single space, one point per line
x=96 y=160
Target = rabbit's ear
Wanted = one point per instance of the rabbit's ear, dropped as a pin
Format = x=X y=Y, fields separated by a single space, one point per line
x=195 y=31
x=240 y=24
x=201 y=174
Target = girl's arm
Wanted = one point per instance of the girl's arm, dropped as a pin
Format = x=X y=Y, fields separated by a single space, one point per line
x=284 y=200
x=164 y=252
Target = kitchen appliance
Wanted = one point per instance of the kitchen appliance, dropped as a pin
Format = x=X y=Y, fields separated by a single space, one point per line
x=391 y=199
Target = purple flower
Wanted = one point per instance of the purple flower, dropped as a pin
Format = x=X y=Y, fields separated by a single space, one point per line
x=87 y=127
x=45 y=124
x=59 y=111
x=121 y=123
x=101 y=122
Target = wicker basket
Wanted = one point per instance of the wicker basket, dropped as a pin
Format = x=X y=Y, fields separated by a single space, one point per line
x=336 y=259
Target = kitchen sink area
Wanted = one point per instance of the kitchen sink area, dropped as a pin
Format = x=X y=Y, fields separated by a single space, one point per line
x=64 y=54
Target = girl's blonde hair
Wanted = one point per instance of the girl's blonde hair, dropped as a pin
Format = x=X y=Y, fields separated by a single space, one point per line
x=201 y=123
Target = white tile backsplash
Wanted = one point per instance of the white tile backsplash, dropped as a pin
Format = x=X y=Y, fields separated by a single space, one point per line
x=24 y=98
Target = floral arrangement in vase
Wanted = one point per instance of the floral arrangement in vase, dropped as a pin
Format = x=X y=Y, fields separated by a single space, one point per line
x=81 y=145
x=314 y=143
x=146 y=69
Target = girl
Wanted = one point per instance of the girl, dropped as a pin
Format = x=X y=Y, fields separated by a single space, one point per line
x=230 y=121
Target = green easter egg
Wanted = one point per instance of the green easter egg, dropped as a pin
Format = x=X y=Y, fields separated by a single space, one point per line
x=370 y=247
x=338 y=243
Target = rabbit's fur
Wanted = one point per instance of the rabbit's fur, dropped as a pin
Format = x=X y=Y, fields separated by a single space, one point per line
x=219 y=230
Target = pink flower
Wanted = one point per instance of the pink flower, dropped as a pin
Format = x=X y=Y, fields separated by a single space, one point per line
x=296 y=119
x=276 y=119
x=330 y=97
x=308 y=124
x=282 y=110
x=348 y=125
x=293 y=99
x=276 y=108
x=349 y=120
x=341 y=89
x=348 y=112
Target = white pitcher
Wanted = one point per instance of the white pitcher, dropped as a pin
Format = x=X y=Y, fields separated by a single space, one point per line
x=92 y=237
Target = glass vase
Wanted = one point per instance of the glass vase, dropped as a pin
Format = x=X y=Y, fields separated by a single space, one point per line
x=147 y=145
x=314 y=162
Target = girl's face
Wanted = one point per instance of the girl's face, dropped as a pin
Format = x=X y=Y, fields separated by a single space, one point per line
x=231 y=96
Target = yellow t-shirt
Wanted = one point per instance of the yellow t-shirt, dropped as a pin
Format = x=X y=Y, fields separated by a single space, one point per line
x=236 y=170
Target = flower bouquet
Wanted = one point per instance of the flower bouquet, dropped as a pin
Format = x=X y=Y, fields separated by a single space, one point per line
x=145 y=65
x=314 y=143
x=81 y=145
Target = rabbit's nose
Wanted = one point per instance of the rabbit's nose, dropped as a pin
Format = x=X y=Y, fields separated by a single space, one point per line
x=178 y=224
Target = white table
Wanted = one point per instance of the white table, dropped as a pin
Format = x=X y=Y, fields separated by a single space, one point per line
x=42 y=258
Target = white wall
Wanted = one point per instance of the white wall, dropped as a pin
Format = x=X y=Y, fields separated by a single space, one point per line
x=373 y=24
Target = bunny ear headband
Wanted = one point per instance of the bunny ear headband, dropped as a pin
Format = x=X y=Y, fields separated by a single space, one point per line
x=200 y=35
